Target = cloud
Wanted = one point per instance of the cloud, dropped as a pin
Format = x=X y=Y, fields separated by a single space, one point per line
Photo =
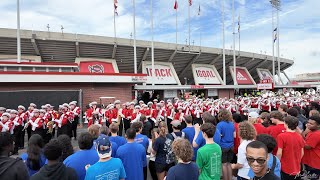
x=95 y=17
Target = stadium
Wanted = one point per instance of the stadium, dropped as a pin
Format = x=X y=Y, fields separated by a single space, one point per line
x=47 y=57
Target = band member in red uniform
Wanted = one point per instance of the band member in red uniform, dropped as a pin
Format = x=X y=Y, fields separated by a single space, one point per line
x=157 y=115
x=117 y=111
x=42 y=113
x=170 y=114
x=146 y=111
x=36 y=123
x=2 y=110
x=17 y=129
x=136 y=114
x=76 y=114
x=128 y=113
x=24 y=117
x=154 y=105
x=95 y=119
x=266 y=106
x=5 y=124
x=126 y=121
x=93 y=107
x=31 y=107
x=63 y=121
x=108 y=114
x=179 y=115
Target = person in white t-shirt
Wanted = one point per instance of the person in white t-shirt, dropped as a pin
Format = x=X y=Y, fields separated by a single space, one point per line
x=247 y=134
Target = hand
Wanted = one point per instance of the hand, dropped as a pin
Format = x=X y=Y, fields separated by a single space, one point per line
x=233 y=166
x=197 y=127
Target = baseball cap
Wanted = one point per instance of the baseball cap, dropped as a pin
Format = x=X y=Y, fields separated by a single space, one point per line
x=103 y=146
x=253 y=114
x=176 y=123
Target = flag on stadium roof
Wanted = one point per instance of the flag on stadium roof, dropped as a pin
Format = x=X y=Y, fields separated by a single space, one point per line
x=175 y=6
x=199 y=10
x=275 y=35
x=190 y=2
x=115 y=3
x=239 y=24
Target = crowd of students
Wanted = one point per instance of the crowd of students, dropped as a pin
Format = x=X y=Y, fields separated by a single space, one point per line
x=281 y=144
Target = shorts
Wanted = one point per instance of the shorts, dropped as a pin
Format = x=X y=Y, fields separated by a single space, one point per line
x=227 y=155
x=163 y=167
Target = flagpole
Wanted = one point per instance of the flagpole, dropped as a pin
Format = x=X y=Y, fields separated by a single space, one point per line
x=152 y=46
x=134 y=44
x=278 y=46
x=239 y=33
x=114 y=25
x=273 y=59
x=189 y=22
x=223 y=47
x=18 y=33
x=176 y=24
x=234 y=44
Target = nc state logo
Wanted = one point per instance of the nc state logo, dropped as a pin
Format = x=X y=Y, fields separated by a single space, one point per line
x=97 y=68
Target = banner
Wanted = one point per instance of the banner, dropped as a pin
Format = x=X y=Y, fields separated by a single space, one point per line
x=96 y=67
x=170 y=93
x=205 y=74
x=164 y=73
x=264 y=74
x=242 y=77
x=212 y=92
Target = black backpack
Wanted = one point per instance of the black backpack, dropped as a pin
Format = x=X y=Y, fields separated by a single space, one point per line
x=170 y=157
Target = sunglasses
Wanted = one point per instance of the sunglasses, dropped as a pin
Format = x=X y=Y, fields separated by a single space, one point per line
x=259 y=161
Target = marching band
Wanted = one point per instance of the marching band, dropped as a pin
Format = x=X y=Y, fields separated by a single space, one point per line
x=46 y=121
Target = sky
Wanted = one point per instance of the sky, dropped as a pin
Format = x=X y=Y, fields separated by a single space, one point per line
x=299 y=23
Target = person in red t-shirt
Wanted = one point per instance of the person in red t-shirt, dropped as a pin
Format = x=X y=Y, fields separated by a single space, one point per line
x=311 y=158
x=277 y=119
x=290 y=149
x=253 y=119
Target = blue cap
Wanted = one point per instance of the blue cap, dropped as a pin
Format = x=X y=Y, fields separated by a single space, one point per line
x=103 y=146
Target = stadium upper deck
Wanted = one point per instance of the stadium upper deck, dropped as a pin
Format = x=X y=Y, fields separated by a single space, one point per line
x=58 y=47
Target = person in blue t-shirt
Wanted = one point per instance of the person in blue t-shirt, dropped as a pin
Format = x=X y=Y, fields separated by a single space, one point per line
x=190 y=132
x=198 y=140
x=107 y=168
x=271 y=143
x=227 y=131
x=119 y=140
x=94 y=130
x=133 y=156
x=141 y=139
x=34 y=157
x=185 y=169
x=85 y=156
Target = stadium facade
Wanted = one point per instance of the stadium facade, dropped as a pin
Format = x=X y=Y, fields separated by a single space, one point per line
x=100 y=66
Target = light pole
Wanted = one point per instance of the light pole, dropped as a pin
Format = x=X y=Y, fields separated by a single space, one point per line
x=18 y=33
x=276 y=4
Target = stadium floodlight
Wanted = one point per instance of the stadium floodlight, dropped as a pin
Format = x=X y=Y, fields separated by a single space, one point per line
x=62 y=28
x=276 y=4
x=48 y=27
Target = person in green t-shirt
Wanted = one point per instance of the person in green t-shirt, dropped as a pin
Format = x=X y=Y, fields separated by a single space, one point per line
x=209 y=156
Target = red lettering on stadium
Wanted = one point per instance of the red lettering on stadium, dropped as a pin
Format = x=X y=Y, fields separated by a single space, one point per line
x=160 y=72
x=204 y=73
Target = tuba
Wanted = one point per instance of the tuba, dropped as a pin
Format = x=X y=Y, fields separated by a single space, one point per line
x=50 y=125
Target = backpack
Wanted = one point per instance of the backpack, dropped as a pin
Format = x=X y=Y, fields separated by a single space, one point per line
x=274 y=162
x=170 y=157
x=183 y=135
